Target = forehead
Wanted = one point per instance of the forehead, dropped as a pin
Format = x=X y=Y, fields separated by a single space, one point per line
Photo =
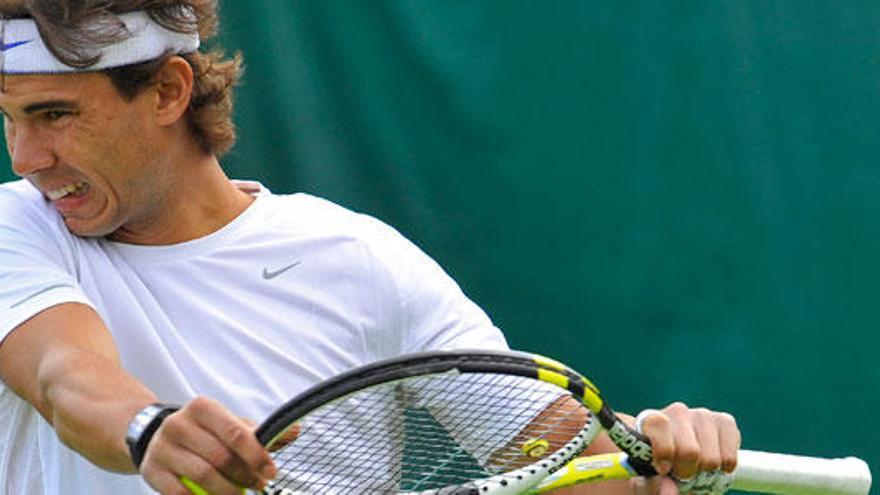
x=18 y=91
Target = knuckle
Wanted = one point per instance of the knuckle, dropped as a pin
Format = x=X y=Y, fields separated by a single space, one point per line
x=655 y=421
x=221 y=458
x=702 y=411
x=172 y=426
x=676 y=408
x=202 y=473
x=702 y=417
x=725 y=418
x=199 y=405
x=235 y=435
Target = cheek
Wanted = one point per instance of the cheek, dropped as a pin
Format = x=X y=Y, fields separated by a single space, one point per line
x=117 y=153
x=128 y=162
x=96 y=149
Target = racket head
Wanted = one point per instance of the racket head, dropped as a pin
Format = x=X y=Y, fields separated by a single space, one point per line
x=436 y=422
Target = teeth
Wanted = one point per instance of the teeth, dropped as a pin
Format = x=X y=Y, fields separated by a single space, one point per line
x=64 y=191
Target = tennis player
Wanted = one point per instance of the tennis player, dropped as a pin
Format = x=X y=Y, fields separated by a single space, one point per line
x=149 y=303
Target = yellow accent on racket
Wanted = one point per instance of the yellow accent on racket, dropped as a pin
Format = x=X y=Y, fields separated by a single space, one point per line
x=592 y=401
x=595 y=468
x=195 y=489
x=545 y=362
x=553 y=377
x=535 y=447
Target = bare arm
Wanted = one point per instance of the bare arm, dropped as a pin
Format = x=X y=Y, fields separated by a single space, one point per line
x=64 y=362
x=557 y=424
x=685 y=441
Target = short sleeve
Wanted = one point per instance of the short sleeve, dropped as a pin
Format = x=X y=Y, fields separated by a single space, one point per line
x=36 y=268
x=433 y=313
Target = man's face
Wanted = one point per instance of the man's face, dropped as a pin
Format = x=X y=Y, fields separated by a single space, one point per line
x=89 y=151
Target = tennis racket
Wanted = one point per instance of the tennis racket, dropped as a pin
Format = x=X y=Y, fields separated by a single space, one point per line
x=484 y=422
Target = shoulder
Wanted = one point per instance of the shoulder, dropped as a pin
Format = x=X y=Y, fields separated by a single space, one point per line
x=30 y=225
x=19 y=193
x=23 y=207
x=308 y=215
x=367 y=242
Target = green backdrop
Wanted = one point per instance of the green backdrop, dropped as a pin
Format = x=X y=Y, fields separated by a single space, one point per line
x=680 y=198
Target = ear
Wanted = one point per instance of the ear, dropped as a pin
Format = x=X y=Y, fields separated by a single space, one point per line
x=174 y=83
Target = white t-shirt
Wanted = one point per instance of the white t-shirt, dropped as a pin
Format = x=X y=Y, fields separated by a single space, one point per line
x=291 y=292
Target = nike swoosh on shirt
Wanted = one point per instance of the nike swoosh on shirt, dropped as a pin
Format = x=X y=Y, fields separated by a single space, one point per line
x=267 y=275
x=10 y=46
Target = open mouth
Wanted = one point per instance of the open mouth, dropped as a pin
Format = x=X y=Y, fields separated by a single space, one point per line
x=75 y=189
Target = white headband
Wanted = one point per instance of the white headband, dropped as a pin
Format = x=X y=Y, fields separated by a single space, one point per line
x=23 y=51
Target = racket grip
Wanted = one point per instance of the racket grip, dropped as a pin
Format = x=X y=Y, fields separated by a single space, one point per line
x=766 y=472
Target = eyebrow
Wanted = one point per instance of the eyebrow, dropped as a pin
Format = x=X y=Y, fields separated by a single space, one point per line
x=48 y=105
x=45 y=105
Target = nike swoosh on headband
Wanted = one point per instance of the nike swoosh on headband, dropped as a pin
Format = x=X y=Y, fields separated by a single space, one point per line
x=10 y=46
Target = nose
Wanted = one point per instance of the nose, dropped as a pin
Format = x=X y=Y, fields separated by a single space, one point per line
x=29 y=152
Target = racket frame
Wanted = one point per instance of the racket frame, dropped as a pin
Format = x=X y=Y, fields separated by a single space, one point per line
x=276 y=426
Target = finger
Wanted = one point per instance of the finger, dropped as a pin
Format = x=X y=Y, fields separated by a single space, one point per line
x=235 y=434
x=187 y=435
x=165 y=483
x=658 y=429
x=195 y=489
x=661 y=485
x=708 y=436
x=729 y=440
x=285 y=438
x=203 y=476
x=687 y=448
x=173 y=466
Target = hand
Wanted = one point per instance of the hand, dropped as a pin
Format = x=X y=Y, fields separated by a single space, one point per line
x=686 y=441
x=207 y=444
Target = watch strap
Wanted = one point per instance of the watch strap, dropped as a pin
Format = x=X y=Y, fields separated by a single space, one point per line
x=143 y=426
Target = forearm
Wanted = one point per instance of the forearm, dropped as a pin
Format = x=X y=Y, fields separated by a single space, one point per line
x=89 y=400
x=64 y=362
x=567 y=416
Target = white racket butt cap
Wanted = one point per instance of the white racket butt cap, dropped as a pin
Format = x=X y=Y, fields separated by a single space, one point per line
x=791 y=474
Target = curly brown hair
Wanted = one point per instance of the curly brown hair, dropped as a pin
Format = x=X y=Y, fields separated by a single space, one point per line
x=75 y=30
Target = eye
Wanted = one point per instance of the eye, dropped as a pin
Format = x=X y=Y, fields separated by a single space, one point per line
x=53 y=115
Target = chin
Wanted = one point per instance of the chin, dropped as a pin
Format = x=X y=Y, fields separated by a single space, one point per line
x=84 y=230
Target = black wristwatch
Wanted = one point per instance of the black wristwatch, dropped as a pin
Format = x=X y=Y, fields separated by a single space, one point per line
x=142 y=428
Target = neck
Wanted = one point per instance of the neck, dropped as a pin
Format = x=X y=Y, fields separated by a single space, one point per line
x=197 y=201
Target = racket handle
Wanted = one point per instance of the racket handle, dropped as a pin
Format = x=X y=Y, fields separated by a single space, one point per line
x=764 y=472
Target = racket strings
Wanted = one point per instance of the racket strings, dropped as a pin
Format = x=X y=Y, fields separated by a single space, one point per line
x=548 y=432
x=426 y=433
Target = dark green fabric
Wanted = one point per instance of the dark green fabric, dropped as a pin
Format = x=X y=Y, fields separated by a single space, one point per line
x=680 y=198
